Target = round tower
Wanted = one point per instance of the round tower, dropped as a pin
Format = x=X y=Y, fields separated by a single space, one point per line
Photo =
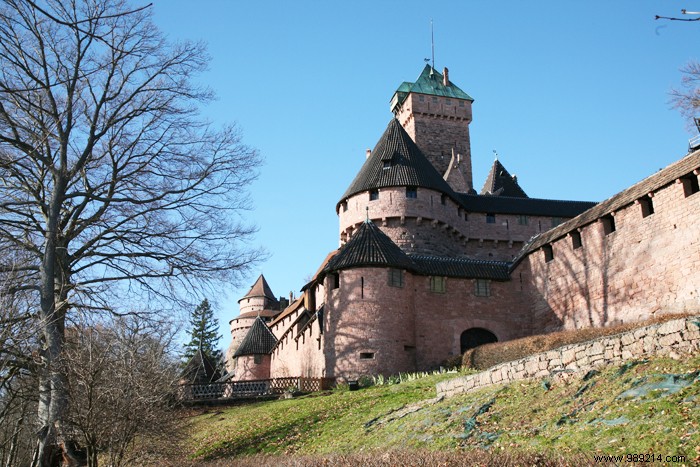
x=400 y=190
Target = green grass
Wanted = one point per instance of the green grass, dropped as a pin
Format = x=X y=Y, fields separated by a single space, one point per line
x=569 y=417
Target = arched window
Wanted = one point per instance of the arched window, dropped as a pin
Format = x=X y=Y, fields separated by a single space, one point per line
x=475 y=337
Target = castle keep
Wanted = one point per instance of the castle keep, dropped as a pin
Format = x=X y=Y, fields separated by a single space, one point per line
x=428 y=268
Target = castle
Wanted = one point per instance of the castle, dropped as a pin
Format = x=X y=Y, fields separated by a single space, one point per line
x=428 y=268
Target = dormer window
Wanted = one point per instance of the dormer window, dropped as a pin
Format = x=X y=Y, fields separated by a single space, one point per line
x=387 y=165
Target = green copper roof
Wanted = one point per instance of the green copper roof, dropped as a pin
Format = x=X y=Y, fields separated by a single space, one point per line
x=430 y=82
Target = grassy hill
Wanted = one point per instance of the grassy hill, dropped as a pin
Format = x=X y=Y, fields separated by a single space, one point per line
x=648 y=407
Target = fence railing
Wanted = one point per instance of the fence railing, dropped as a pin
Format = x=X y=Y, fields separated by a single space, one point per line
x=241 y=389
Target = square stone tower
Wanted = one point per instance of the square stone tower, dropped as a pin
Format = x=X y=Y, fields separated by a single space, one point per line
x=436 y=114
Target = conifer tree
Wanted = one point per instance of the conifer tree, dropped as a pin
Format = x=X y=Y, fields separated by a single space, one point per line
x=203 y=332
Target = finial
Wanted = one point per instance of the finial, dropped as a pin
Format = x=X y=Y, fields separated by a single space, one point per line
x=495 y=154
x=432 y=41
x=367 y=209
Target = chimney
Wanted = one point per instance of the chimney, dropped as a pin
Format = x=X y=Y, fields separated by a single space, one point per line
x=445 y=76
x=368 y=153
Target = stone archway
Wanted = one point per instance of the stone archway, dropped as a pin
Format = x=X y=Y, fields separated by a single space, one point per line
x=475 y=337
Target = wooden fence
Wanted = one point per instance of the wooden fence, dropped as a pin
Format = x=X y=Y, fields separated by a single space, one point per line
x=241 y=389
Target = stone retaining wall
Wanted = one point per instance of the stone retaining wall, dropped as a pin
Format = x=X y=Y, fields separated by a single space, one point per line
x=675 y=337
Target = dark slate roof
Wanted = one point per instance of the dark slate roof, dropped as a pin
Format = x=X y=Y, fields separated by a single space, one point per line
x=396 y=161
x=199 y=369
x=260 y=289
x=259 y=340
x=658 y=180
x=430 y=82
x=461 y=267
x=499 y=182
x=528 y=206
x=369 y=246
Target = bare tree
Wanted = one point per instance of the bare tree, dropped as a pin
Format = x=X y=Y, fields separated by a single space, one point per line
x=124 y=377
x=687 y=98
x=111 y=185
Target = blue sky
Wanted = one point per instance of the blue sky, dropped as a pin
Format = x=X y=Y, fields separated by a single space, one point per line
x=572 y=95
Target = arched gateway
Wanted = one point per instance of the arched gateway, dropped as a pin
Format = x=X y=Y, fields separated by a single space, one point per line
x=475 y=337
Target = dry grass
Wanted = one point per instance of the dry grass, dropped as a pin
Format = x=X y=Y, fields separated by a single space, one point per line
x=488 y=355
x=409 y=458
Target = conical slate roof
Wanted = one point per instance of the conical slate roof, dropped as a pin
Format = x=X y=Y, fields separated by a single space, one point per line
x=501 y=183
x=260 y=289
x=369 y=246
x=397 y=161
x=199 y=369
x=259 y=340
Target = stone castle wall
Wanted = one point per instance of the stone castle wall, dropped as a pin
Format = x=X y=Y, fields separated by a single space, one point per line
x=648 y=265
x=433 y=224
x=676 y=337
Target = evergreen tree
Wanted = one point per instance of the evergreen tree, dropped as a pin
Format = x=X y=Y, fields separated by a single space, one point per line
x=204 y=332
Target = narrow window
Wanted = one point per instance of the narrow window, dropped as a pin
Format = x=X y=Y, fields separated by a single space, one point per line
x=395 y=277
x=548 y=253
x=345 y=206
x=366 y=355
x=556 y=221
x=411 y=192
x=576 y=239
x=490 y=218
x=362 y=287
x=466 y=216
x=373 y=195
x=443 y=199
x=690 y=184
x=437 y=284
x=647 y=206
x=335 y=280
x=483 y=288
x=608 y=224
x=522 y=219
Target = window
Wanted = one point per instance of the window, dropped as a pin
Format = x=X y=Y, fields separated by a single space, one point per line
x=335 y=280
x=556 y=221
x=466 y=216
x=435 y=100
x=576 y=239
x=411 y=192
x=483 y=288
x=548 y=253
x=522 y=219
x=490 y=218
x=647 y=206
x=387 y=165
x=690 y=184
x=373 y=195
x=608 y=224
x=461 y=103
x=437 y=284
x=443 y=199
x=257 y=359
x=366 y=355
x=421 y=97
x=345 y=206
x=448 y=102
x=396 y=277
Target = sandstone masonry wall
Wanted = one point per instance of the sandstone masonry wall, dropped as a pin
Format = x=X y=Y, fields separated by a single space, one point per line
x=675 y=337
